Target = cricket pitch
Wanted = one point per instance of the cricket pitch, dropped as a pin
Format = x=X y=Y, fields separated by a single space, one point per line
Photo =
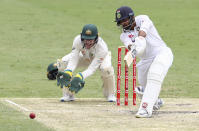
x=87 y=114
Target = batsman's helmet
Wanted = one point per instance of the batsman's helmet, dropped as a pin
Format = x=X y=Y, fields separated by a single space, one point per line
x=122 y=13
x=52 y=71
x=89 y=32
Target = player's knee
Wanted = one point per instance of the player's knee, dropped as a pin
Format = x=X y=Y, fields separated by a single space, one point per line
x=156 y=72
x=106 y=72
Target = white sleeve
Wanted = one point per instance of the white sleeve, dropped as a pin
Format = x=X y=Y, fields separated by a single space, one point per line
x=125 y=40
x=145 y=23
x=92 y=67
x=140 y=43
x=74 y=59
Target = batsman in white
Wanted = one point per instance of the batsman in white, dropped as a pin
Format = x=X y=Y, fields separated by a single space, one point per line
x=155 y=57
x=89 y=51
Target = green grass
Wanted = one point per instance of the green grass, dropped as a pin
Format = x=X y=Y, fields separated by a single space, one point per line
x=12 y=120
x=35 y=33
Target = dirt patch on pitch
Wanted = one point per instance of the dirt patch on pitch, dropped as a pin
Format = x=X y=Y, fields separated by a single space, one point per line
x=97 y=114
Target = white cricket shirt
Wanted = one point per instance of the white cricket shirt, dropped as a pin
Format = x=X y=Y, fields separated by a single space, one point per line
x=154 y=42
x=95 y=54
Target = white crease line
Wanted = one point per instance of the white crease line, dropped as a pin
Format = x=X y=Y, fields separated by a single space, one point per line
x=11 y=102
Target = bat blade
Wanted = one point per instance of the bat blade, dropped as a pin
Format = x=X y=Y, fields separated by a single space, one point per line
x=128 y=59
x=131 y=54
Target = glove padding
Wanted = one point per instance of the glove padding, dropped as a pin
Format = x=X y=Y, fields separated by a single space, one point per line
x=77 y=83
x=52 y=71
x=52 y=75
x=63 y=78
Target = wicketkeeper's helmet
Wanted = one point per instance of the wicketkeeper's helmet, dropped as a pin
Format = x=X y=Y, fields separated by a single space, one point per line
x=52 y=71
x=89 y=32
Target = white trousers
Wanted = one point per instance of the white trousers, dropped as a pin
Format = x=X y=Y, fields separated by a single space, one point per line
x=151 y=74
x=165 y=57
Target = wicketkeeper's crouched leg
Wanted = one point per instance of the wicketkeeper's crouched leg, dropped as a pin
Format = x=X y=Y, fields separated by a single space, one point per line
x=61 y=65
x=108 y=78
x=108 y=86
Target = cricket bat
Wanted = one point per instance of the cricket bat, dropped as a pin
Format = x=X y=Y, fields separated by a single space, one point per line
x=128 y=59
x=130 y=55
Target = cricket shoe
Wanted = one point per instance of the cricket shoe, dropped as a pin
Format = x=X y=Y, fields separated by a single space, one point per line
x=143 y=113
x=111 y=98
x=139 y=91
x=67 y=98
x=159 y=103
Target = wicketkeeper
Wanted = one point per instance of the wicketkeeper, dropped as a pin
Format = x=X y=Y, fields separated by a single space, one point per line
x=140 y=34
x=88 y=50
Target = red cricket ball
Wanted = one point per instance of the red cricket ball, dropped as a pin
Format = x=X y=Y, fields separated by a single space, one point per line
x=32 y=115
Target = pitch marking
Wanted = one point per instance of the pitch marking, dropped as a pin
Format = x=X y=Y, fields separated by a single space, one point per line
x=21 y=107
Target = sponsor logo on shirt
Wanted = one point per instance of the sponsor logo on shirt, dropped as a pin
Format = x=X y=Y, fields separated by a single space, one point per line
x=130 y=36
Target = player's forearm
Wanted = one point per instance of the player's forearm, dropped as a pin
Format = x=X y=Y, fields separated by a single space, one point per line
x=73 y=61
x=140 y=44
x=92 y=67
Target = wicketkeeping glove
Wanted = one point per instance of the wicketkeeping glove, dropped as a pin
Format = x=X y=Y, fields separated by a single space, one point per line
x=77 y=83
x=63 y=78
